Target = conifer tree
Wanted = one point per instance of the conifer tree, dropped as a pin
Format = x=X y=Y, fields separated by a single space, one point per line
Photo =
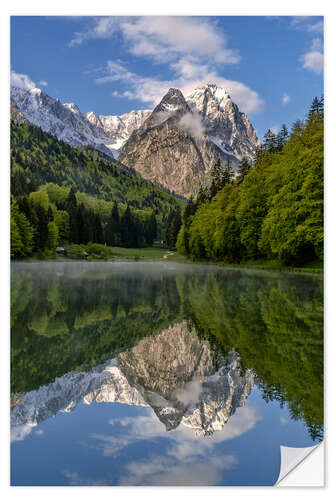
x=173 y=227
x=151 y=229
x=243 y=168
x=112 y=228
x=316 y=106
x=282 y=137
x=126 y=228
x=221 y=175
x=98 y=236
x=41 y=234
x=269 y=141
x=71 y=202
x=202 y=196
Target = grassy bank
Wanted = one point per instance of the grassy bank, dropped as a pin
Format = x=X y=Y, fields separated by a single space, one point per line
x=101 y=252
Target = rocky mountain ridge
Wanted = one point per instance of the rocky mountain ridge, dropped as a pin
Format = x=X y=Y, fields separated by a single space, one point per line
x=184 y=138
x=175 y=145
x=65 y=121
x=224 y=123
x=118 y=128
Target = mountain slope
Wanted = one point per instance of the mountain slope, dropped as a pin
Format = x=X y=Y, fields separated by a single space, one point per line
x=223 y=122
x=171 y=148
x=175 y=146
x=118 y=128
x=182 y=139
x=38 y=158
x=65 y=121
x=16 y=115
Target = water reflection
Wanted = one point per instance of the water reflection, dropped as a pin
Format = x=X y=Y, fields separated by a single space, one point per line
x=173 y=372
x=181 y=345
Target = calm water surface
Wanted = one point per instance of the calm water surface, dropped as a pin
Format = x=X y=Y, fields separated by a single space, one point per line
x=161 y=373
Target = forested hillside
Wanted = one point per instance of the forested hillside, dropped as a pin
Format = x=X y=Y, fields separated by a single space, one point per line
x=273 y=210
x=61 y=194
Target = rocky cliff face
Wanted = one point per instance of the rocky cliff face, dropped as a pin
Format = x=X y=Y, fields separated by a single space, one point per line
x=118 y=128
x=171 y=147
x=16 y=115
x=182 y=139
x=175 y=146
x=224 y=123
x=173 y=372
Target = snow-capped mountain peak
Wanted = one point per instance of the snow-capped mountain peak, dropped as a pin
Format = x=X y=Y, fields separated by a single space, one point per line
x=196 y=99
x=224 y=123
x=72 y=106
x=65 y=121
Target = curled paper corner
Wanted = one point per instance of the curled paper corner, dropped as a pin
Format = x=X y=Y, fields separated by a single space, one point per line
x=298 y=468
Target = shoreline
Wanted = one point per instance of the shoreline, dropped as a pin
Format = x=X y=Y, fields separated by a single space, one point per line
x=245 y=265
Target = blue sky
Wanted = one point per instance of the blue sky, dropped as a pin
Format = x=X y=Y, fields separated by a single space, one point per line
x=271 y=66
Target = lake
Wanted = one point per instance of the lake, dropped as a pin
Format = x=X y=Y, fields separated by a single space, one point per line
x=161 y=373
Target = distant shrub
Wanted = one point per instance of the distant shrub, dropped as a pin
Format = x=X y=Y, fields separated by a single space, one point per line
x=74 y=251
x=98 y=251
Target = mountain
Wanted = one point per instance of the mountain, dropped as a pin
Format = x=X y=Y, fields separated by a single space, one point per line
x=173 y=372
x=65 y=121
x=175 y=145
x=182 y=139
x=179 y=377
x=86 y=169
x=118 y=128
x=223 y=122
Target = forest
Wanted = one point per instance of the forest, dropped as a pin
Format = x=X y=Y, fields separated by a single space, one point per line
x=272 y=210
x=68 y=196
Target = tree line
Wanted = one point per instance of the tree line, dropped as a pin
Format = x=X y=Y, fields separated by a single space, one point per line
x=273 y=208
x=61 y=194
x=38 y=226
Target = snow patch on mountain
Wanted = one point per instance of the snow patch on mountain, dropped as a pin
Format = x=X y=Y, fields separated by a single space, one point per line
x=65 y=121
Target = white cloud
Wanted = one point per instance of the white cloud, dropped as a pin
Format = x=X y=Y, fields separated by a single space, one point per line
x=184 y=441
x=187 y=77
x=163 y=38
x=161 y=471
x=192 y=124
x=194 y=48
x=43 y=83
x=187 y=459
x=101 y=27
x=20 y=80
x=285 y=98
x=311 y=24
x=316 y=27
x=169 y=37
x=317 y=44
x=313 y=61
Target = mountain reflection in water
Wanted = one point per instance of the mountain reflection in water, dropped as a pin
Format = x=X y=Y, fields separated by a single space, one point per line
x=188 y=343
x=173 y=372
